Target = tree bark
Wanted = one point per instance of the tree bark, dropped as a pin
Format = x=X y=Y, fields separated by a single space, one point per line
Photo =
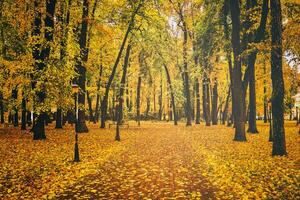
x=16 y=111
x=225 y=111
x=172 y=94
x=23 y=118
x=81 y=70
x=197 y=102
x=1 y=109
x=138 y=100
x=214 y=111
x=58 y=124
x=265 y=95
x=277 y=80
x=40 y=58
x=239 y=112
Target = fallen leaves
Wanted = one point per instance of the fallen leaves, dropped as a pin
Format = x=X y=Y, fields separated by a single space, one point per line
x=151 y=162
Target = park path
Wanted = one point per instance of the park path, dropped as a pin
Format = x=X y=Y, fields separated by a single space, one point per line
x=158 y=163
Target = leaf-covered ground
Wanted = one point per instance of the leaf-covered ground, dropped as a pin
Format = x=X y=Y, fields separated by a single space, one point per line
x=154 y=161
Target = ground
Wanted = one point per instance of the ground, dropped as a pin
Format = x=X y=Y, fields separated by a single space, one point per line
x=154 y=161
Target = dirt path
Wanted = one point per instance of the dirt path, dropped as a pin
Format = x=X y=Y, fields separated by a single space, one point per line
x=159 y=163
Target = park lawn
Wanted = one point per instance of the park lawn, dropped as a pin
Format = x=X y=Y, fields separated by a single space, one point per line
x=156 y=160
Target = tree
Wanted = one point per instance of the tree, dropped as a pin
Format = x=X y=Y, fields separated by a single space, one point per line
x=239 y=116
x=112 y=75
x=40 y=61
x=81 y=69
x=277 y=80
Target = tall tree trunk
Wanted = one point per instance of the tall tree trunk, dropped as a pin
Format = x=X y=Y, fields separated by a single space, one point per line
x=1 y=109
x=81 y=70
x=214 y=110
x=206 y=100
x=119 y=113
x=23 y=118
x=186 y=78
x=265 y=95
x=58 y=124
x=197 y=102
x=226 y=9
x=40 y=59
x=89 y=99
x=104 y=103
x=225 y=111
x=16 y=111
x=28 y=118
x=96 y=117
x=160 y=101
x=277 y=80
x=63 y=49
x=239 y=112
x=138 y=100
x=252 y=99
x=172 y=94
x=258 y=37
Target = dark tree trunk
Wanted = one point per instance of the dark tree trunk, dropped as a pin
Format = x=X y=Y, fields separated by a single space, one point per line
x=138 y=100
x=1 y=109
x=239 y=112
x=89 y=99
x=40 y=59
x=119 y=114
x=172 y=94
x=58 y=124
x=104 y=103
x=226 y=9
x=81 y=70
x=206 y=100
x=28 y=118
x=277 y=80
x=214 y=109
x=147 y=108
x=96 y=118
x=188 y=108
x=258 y=37
x=197 y=88
x=122 y=85
x=160 y=110
x=16 y=111
x=63 y=50
x=265 y=95
x=225 y=111
x=23 y=118
x=252 y=98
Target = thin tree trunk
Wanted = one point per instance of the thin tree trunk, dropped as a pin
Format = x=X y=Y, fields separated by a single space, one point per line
x=265 y=95
x=16 y=114
x=172 y=94
x=160 y=110
x=225 y=111
x=104 y=103
x=138 y=100
x=1 y=109
x=197 y=102
x=23 y=118
x=89 y=99
x=214 y=111
x=277 y=80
